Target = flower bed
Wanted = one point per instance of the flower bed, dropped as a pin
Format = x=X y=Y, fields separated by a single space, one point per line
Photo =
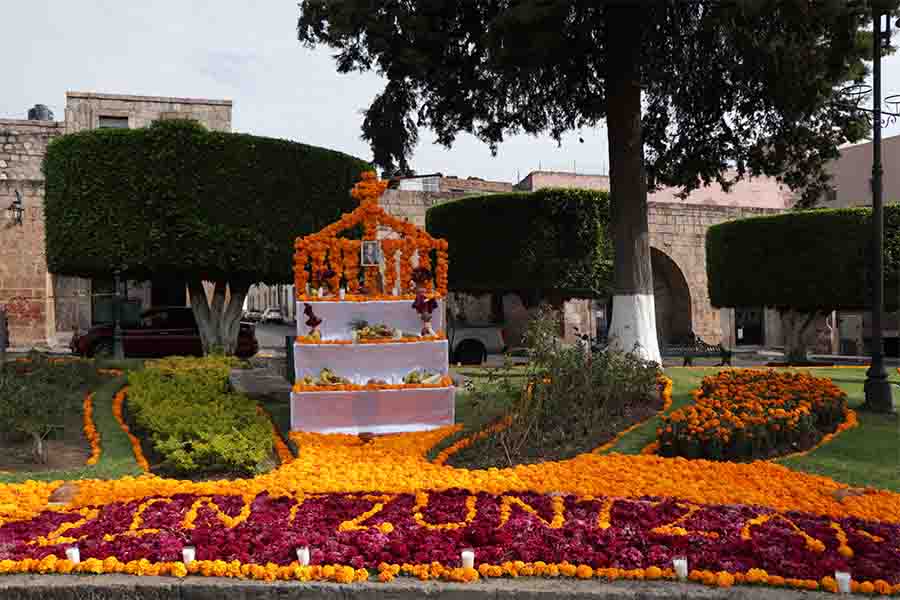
x=511 y=534
x=747 y=414
x=378 y=508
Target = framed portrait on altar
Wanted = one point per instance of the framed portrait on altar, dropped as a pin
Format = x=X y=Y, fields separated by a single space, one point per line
x=371 y=253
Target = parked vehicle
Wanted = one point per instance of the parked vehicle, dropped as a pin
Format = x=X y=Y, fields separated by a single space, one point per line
x=470 y=343
x=162 y=331
x=252 y=316
x=272 y=315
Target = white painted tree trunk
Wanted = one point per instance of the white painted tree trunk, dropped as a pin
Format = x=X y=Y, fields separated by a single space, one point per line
x=633 y=326
x=218 y=321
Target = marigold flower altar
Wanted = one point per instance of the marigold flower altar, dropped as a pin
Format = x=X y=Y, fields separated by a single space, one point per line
x=371 y=355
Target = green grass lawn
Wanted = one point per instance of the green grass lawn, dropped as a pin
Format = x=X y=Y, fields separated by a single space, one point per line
x=116 y=458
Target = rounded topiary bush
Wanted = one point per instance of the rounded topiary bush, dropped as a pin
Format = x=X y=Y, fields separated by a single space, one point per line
x=552 y=242
x=177 y=199
x=803 y=260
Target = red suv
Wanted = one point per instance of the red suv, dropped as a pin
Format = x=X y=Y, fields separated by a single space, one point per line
x=165 y=331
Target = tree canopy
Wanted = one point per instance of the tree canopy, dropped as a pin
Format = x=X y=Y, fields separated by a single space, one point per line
x=175 y=199
x=725 y=83
x=551 y=243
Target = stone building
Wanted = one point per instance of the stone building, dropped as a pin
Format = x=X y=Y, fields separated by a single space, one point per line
x=41 y=304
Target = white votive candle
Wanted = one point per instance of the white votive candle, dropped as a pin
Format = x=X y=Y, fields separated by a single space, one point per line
x=303 y=556
x=468 y=559
x=843 y=581
x=73 y=555
x=681 y=568
x=188 y=554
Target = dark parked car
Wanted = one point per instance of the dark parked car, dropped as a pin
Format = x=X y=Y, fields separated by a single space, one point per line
x=161 y=332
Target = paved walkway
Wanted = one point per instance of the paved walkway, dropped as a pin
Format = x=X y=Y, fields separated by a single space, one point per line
x=109 y=587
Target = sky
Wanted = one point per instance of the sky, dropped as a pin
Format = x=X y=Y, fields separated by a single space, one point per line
x=247 y=52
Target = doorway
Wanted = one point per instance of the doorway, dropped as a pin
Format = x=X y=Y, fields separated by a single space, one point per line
x=748 y=326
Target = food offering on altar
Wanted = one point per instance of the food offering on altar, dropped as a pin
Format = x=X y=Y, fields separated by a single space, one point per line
x=371 y=355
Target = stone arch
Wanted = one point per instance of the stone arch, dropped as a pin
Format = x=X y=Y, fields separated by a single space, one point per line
x=672 y=297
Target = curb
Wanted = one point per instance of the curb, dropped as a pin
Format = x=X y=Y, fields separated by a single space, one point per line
x=129 y=587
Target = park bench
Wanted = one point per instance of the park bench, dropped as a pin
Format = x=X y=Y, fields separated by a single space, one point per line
x=693 y=346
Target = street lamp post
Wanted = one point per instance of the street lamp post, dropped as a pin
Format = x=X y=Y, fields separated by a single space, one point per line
x=877 y=387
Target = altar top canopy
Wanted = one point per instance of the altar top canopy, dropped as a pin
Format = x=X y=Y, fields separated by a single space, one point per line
x=324 y=260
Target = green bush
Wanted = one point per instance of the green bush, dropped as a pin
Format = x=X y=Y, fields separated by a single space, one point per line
x=37 y=394
x=804 y=260
x=572 y=400
x=177 y=199
x=196 y=424
x=551 y=242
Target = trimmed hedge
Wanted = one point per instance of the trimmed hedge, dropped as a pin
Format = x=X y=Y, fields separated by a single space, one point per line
x=177 y=199
x=804 y=260
x=549 y=242
x=196 y=424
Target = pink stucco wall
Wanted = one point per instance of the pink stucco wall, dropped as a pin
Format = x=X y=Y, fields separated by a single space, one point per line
x=761 y=192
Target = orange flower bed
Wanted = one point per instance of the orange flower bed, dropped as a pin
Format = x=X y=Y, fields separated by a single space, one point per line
x=281 y=449
x=118 y=401
x=90 y=432
x=746 y=414
x=305 y=339
x=350 y=387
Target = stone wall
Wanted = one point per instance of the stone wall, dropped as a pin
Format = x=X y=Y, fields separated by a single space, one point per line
x=22 y=147
x=84 y=109
x=24 y=281
x=679 y=232
x=537 y=180
x=473 y=185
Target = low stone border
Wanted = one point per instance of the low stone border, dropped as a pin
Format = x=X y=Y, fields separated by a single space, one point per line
x=124 y=587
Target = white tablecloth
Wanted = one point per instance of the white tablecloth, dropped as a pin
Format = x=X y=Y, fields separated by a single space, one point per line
x=361 y=362
x=372 y=411
x=336 y=317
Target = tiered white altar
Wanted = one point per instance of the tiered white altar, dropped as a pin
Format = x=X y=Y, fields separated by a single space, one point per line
x=371 y=356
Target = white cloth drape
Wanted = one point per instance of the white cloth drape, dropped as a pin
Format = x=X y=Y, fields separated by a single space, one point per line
x=372 y=411
x=361 y=362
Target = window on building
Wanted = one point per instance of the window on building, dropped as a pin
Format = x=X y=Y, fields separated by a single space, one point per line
x=113 y=122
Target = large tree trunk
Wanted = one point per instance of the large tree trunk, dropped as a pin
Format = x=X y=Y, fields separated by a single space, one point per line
x=633 y=326
x=218 y=321
x=795 y=325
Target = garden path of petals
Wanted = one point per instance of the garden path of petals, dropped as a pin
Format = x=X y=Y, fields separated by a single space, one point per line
x=397 y=464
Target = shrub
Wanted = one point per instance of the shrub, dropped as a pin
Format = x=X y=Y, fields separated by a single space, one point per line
x=174 y=198
x=572 y=400
x=804 y=260
x=195 y=422
x=739 y=415
x=552 y=241
x=36 y=395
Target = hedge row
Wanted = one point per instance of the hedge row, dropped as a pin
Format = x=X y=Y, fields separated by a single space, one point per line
x=805 y=260
x=195 y=423
x=175 y=198
x=553 y=241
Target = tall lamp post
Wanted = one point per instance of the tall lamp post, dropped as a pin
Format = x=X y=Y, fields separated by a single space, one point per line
x=877 y=387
